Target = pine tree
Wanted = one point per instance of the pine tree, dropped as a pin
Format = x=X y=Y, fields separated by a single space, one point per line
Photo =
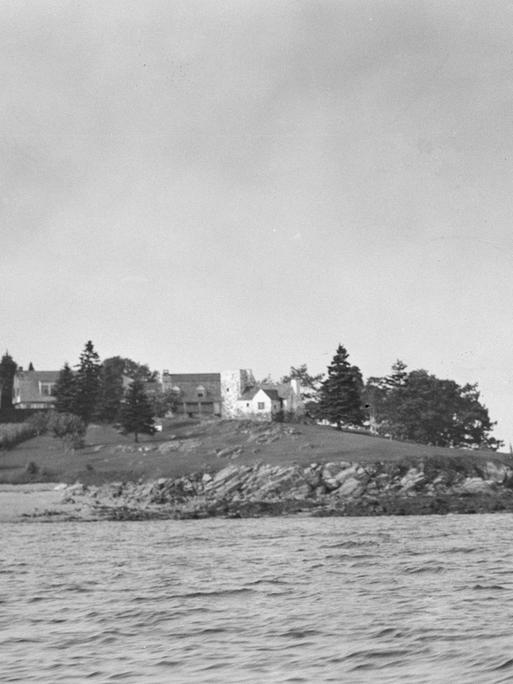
x=87 y=383
x=31 y=366
x=8 y=368
x=64 y=390
x=137 y=411
x=341 y=392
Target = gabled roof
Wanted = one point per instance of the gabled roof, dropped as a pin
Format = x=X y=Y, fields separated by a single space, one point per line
x=251 y=393
x=283 y=389
x=272 y=394
x=27 y=386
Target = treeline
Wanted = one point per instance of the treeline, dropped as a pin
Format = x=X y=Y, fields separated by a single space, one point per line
x=97 y=390
x=406 y=405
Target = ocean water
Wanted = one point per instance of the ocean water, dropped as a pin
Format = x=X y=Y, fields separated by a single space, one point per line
x=404 y=599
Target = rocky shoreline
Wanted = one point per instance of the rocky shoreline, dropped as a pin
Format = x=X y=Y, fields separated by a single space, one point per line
x=435 y=485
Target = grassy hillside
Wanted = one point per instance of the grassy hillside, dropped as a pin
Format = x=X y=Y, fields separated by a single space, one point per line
x=190 y=446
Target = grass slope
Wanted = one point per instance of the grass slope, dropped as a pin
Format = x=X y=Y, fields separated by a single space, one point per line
x=190 y=446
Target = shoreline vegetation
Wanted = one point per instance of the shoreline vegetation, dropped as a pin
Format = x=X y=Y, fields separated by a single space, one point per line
x=237 y=469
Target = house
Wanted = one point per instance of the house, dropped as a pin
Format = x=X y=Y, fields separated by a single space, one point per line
x=259 y=403
x=231 y=394
x=199 y=394
x=34 y=389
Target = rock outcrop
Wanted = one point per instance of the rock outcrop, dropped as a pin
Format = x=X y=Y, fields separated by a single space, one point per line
x=433 y=485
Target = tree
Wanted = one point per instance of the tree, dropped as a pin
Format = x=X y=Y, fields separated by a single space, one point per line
x=420 y=407
x=309 y=387
x=309 y=384
x=142 y=371
x=87 y=383
x=137 y=411
x=64 y=390
x=382 y=396
x=341 y=392
x=165 y=402
x=111 y=390
x=31 y=366
x=8 y=368
x=69 y=428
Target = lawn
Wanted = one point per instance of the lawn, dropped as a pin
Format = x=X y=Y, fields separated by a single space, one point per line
x=188 y=446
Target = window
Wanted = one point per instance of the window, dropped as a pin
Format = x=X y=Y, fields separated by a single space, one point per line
x=261 y=406
x=45 y=388
x=200 y=391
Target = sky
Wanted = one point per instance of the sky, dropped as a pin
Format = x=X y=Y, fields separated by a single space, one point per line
x=208 y=184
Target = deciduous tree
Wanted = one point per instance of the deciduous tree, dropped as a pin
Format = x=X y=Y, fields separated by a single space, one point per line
x=420 y=407
x=111 y=390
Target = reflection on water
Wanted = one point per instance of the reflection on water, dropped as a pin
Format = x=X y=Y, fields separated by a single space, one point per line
x=271 y=600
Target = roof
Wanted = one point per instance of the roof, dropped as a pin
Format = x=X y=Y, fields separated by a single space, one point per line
x=283 y=389
x=197 y=378
x=188 y=383
x=251 y=393
x=27 y=386
x=272 y=394
x=38 y=376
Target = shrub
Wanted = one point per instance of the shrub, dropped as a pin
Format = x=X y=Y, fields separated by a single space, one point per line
x=39 y=422
x=68 y=427
x=32 y=468
x=12 y=434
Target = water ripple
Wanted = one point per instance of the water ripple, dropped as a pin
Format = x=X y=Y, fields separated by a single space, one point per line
x=389 y=600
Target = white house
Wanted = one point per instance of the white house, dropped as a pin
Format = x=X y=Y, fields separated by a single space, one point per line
x=259 y=403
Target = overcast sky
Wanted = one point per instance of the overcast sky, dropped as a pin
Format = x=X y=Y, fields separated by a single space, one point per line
x=204 y=185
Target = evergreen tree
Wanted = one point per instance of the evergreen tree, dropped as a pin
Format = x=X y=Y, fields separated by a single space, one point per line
x=341 y=392
x=8 y=368
x=31 y=366
x=111 y=389
x=87 y=383
x=64 y=390
x=137 y=411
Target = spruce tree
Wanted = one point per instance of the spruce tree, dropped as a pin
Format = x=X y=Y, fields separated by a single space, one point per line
x=87 y=383
x=341 y=392
x=64 y=390
x=137 y=411
x=8 y=368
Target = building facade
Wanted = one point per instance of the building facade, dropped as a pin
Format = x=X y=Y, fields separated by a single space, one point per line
x=231 y=394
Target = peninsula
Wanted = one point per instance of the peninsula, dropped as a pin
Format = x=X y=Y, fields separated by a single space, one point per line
x=237 y=468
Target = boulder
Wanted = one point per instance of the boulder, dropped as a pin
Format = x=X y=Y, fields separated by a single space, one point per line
x=166 y=447
x=351 y=487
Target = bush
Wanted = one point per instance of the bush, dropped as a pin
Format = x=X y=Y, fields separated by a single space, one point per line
x=12 y=434
x=32 y=468
x=39 y=422
x=68 y=427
